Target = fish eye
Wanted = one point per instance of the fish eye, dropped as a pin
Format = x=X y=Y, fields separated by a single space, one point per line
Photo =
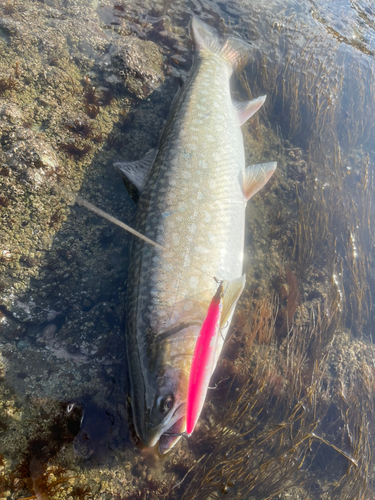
x=70 y=408
x=165 y=403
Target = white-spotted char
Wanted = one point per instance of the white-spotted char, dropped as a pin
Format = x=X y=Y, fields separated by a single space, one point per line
x=193 y=193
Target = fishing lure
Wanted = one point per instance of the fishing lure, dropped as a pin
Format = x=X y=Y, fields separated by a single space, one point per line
x=203 y=360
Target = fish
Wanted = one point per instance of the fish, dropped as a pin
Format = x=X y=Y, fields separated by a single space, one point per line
x=192 y=193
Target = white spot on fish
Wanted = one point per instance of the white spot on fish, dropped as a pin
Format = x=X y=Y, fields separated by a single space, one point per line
x=211 y=237
x=200 y=249
x=175 y=238
x=169 y=268
x=192 y=228
x=193 y=282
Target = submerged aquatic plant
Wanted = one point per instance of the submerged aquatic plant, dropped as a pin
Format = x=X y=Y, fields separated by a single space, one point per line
x=333 y=237
x=8 y=83
x=274 y=429
x=76 y=150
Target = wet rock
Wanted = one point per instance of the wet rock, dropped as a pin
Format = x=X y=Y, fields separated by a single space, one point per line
x=10 y=330
x=49 y=331
x=28 y=260
x=10 y=112
x=29 y=156
x=139 y=64
x=26 y=308
x=8 y=28
x=95 y=434
x=23 y=344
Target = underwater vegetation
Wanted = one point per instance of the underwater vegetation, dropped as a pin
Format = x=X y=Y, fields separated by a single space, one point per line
x=7 y=84
x=334 y=234
x=288 y=419
x=321 y=97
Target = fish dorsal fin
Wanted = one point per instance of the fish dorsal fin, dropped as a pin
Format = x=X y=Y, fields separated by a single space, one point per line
x=204 y=36
x=255 y=177
x=234 y=50
x=231 y=296
x=136 y=171
x=246 y=109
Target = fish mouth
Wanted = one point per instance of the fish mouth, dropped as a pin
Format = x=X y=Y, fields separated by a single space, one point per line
x=167 y=433
x=171 y=436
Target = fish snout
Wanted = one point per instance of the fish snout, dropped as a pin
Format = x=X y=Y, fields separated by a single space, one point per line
x=172 y=436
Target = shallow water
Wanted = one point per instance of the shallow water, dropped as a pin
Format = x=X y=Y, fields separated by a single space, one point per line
x=84 y=84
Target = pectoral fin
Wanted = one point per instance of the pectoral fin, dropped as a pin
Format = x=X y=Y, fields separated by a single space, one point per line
x=255 y=177
x=231 y=295
x=136 y=172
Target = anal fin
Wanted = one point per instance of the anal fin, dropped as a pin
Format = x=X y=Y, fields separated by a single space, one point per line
x=231 y=295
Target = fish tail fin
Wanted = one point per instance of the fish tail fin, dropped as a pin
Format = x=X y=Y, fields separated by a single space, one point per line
x=234 y=50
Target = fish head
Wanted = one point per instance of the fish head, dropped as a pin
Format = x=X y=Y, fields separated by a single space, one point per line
x=168 y=413
x=164 y=420
x=159 y=408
